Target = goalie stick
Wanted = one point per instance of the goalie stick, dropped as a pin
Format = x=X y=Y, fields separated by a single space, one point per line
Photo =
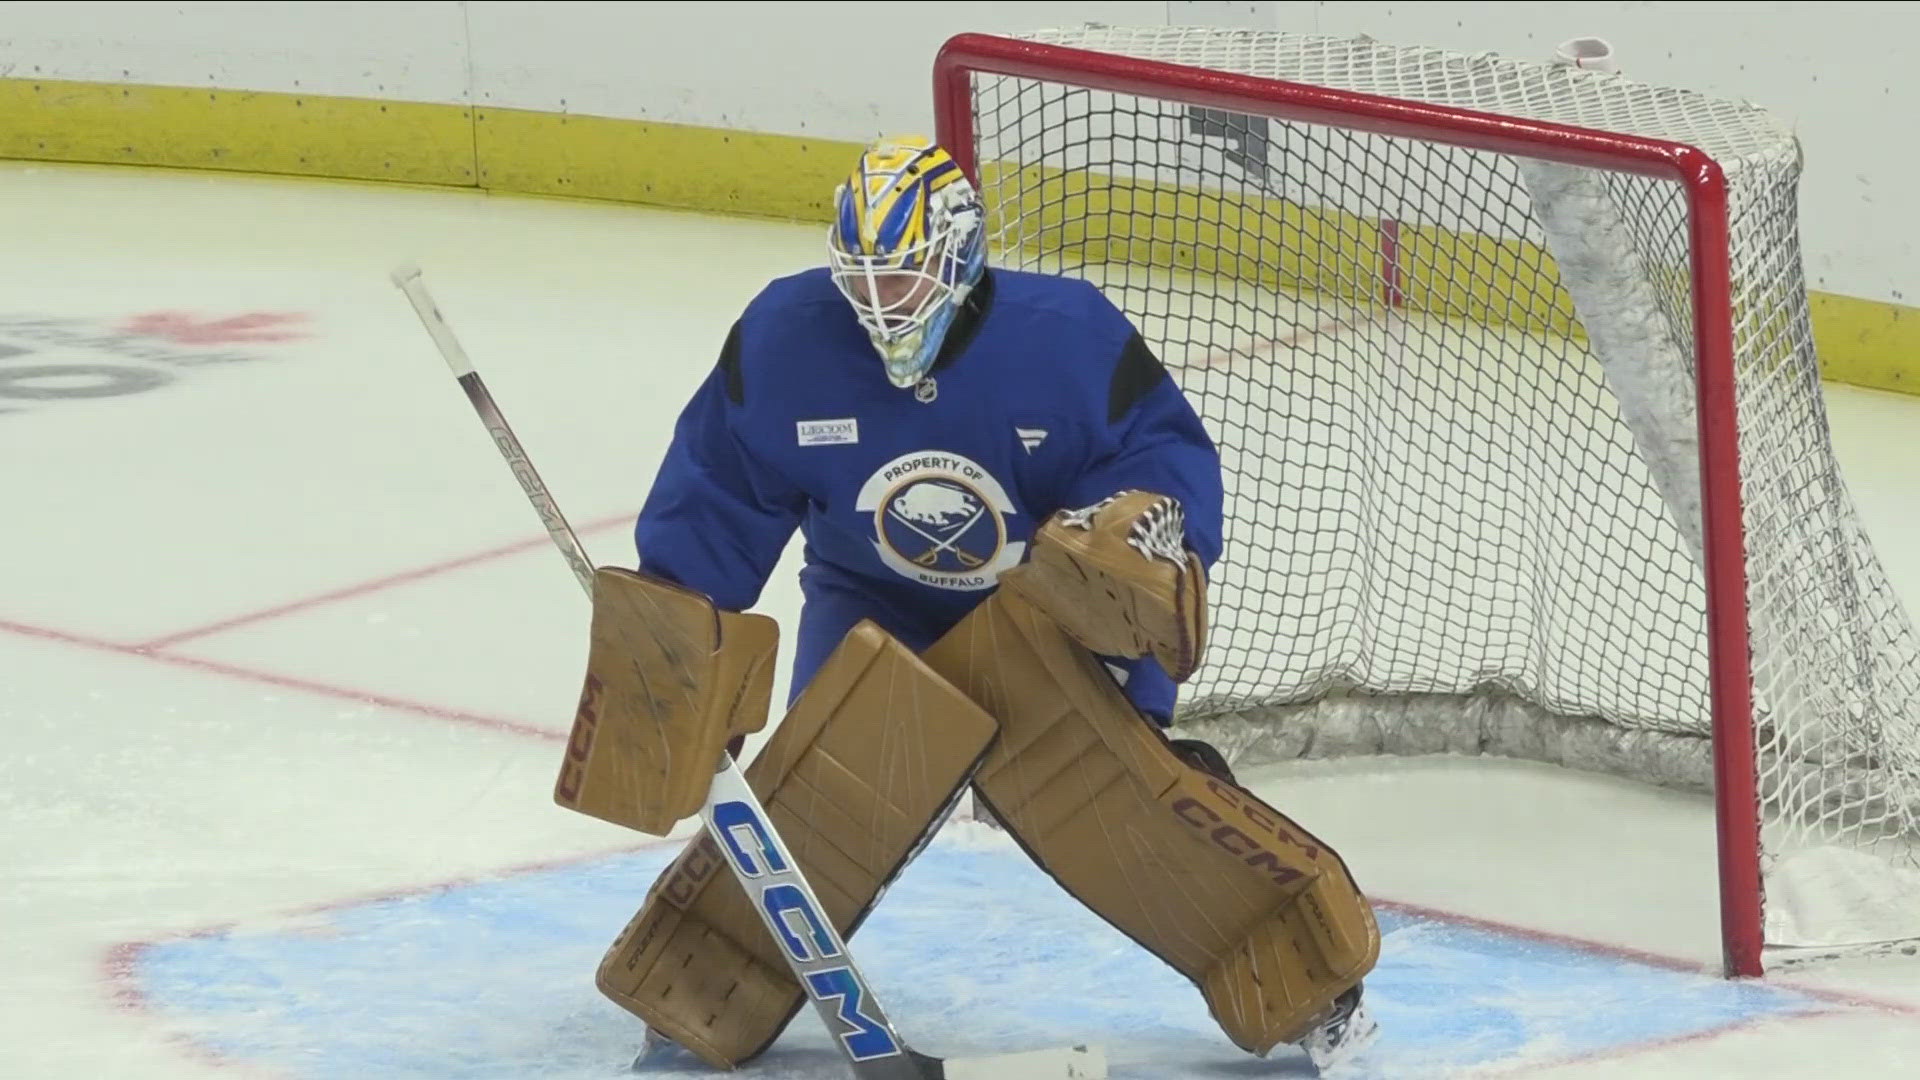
x=738 y=823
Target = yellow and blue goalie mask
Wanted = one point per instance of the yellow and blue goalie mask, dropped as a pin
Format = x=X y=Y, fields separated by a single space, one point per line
x=906 y=247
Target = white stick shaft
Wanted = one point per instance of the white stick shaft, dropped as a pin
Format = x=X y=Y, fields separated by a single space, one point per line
x=408 y=279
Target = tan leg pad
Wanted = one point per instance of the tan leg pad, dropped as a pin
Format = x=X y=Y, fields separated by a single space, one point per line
x=854 y=778
x=1259 y=913
x=669 y=680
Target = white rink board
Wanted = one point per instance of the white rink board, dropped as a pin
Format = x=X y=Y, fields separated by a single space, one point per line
x=836 y=70
x=407 y=50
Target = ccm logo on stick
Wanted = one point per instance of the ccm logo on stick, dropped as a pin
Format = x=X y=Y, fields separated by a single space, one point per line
x=800 y=928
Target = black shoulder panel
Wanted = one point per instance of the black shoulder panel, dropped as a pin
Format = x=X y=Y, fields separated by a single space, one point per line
x=730 y=367
x=1137 y=372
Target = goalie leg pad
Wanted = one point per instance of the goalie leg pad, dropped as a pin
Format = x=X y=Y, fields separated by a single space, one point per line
x=1259 y=913
x=670 y=679
x=855 y=777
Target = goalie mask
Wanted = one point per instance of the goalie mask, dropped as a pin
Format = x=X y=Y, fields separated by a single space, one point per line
x=906 y=247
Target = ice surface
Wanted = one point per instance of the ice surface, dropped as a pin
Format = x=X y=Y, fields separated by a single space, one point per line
x=285 y=653
x=973 y=950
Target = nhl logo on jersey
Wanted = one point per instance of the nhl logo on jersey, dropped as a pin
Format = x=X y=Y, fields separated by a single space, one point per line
x=941 y=520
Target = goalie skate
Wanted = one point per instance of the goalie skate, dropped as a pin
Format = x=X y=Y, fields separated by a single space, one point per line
x=655 y=1049
x=1346 y=1031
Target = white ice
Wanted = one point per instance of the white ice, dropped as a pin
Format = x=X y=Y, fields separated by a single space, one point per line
x=174 y=763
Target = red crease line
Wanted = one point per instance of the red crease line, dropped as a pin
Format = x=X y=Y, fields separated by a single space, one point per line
x=285 y=682
x=366 y=587
x=1638 y=956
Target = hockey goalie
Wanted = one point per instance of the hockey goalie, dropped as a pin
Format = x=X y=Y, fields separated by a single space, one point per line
x=1009 y=523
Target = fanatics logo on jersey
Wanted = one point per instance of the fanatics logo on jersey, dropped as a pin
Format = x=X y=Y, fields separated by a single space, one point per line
x=1031 y=437
x=829 y=432
x=941 y=520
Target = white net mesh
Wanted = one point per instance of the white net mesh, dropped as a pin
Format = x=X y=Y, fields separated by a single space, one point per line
x=1454 y=395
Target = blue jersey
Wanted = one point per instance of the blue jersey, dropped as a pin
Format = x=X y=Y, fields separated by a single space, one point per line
x=1047 y=399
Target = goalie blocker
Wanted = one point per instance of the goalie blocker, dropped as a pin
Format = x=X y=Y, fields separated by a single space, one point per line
x=670 y=681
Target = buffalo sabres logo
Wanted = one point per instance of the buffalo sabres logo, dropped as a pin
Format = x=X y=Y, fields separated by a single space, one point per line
x=941 y=520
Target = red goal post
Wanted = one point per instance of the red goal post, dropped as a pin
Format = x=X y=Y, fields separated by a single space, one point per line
x=1704 y=184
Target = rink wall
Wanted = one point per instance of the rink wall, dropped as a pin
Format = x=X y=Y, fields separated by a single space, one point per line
x=756 y=108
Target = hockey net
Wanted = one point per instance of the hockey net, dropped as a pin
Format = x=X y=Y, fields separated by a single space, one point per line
x=1455 y=336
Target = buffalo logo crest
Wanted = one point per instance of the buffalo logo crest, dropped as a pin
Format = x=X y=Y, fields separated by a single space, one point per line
x=941 y=520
